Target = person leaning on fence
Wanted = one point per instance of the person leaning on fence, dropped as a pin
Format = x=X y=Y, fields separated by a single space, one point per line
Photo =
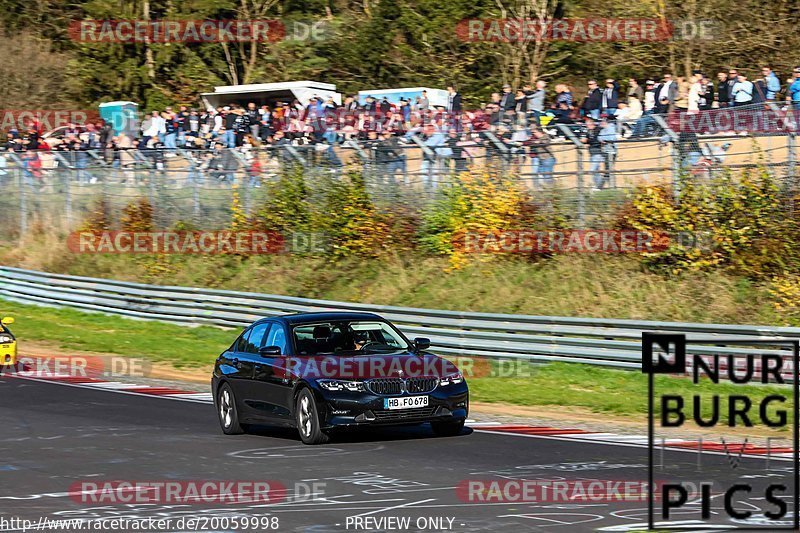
x=542 y=159
x=793 y=90
x=388 y=156
x=457 y=151
x=171 y=135
x=772 y=83
x=688 y=149
x=608 y=139
x=645 y=125
x=591 y=138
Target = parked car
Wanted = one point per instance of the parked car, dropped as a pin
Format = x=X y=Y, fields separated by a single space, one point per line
x=319 y=372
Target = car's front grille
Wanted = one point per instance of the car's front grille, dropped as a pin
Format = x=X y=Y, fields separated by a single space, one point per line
x=404 y=414
x=385 y=386
x=395 y=386
x=421 y=384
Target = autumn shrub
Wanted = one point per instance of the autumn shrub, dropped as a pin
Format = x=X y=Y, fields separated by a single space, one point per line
x=478 y=201
x=288 y=204
x=137 y=216
x=98 y=218
x=738 y=223
x=487 y=203
x=348 y=218
x=336 y=210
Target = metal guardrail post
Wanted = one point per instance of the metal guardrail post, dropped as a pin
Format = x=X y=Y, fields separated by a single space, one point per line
x=357 y=147
x=67 y=190
x=295 y=154
x=579 y=168
x=23 y=206
x=427 y=153
x=506 y=157
x=791 y=160
x=676 y=156
x=153 y=188
x=195 y=173
x=245 y=178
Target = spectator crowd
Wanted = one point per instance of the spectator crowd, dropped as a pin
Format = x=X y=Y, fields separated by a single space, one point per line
x=516 y=125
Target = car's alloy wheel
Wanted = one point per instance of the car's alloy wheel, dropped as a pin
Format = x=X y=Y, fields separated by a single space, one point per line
x=308 y=419
x=226 y=408
x=447 y=429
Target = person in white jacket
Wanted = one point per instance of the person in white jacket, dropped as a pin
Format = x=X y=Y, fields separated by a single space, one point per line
x=153 y=127
x=695 y=93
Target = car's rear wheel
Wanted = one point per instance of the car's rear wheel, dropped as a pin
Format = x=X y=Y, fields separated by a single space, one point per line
x=305 y=411
x=226 y=409
x=447 y=429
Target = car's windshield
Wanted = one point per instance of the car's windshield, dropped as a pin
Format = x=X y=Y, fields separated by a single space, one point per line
x=347 y=338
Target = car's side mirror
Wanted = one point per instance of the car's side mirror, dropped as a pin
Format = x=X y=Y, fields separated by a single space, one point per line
x=422 y=343
x=269 y=351
x=7 y=320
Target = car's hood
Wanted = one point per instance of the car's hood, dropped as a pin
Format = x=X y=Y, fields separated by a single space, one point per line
x=368 y=366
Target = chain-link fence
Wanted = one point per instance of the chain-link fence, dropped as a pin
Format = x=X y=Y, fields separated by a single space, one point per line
x=59 y=188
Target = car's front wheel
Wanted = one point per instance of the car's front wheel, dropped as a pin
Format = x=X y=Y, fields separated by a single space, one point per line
x=228 y=414
x=305 y=411
x=447 y=429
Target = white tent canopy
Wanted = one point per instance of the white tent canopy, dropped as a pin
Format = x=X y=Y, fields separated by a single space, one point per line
x=270 y=93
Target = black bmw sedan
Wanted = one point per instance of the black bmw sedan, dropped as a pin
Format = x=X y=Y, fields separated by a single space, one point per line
x=322 y=371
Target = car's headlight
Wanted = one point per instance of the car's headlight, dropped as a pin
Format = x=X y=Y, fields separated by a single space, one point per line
x=337 y=385
x=452 y=379
x=5 y=339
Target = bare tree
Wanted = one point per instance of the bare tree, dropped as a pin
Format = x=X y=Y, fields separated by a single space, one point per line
x=242 y=56
x=523 y=51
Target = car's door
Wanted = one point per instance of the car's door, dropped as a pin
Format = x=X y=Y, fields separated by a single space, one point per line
x=271 y=376
x=248 y=355
x=238 y=370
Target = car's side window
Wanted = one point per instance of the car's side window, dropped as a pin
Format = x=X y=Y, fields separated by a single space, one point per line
x=241 y=342
x=256 y=336
x=277 y=337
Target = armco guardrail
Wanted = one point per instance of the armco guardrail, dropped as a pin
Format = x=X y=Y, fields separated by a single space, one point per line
x=598 y=341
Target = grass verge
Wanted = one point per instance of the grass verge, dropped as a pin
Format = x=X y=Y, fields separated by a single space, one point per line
x=69 y=329
x=585 y=285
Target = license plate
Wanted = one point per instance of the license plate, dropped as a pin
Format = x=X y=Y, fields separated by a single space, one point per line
x=405 y=402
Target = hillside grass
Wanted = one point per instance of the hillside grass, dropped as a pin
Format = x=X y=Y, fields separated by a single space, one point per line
x=575 y=285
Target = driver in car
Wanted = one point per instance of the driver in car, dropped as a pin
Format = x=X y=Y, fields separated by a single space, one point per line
x=360 y=339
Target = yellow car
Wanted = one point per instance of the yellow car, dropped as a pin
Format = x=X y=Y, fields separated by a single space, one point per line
x=8 y=343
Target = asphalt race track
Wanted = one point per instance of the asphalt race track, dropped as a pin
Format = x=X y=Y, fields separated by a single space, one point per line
x=52 y=436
